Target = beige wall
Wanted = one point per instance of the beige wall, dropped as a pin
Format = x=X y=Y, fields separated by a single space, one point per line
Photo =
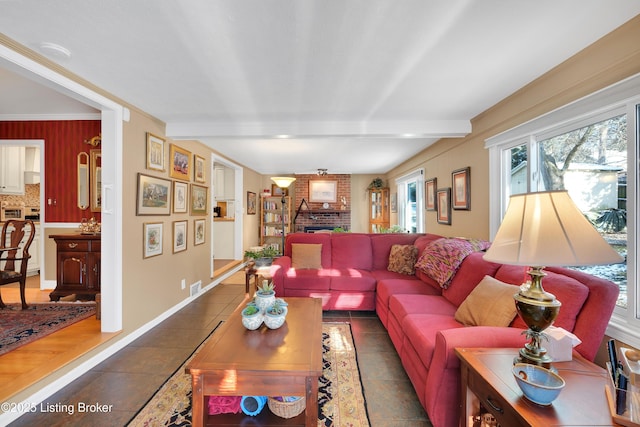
x=609 y=60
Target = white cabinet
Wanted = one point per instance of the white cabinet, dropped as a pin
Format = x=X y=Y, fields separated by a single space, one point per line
x=11 y=169
x=223 y=183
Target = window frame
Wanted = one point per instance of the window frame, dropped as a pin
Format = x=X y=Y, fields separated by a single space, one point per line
x=401 y=186
x=620 y=98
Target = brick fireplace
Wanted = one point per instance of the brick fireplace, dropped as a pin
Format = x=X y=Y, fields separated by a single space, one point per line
x=318 y=217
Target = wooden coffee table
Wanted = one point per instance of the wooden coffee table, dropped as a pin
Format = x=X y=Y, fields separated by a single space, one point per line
x=280 y=362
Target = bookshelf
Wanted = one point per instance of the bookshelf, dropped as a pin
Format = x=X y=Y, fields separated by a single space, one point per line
x=271 y=220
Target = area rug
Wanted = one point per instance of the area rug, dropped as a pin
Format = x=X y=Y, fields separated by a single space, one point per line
x=19 y=327
x=340 y=395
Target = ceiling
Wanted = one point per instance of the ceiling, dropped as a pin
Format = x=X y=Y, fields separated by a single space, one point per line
x=290 y=86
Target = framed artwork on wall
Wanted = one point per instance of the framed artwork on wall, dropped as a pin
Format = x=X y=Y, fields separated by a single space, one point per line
x=251 y=203
x=460 y=179
x=179 y=236
x=180 y=197
x=277 y=191
x=199 y=174
x=180 y=163
x=152 y=245
x=155 y=152
x=444 y=205
x=199 y=199
x=153 y=195
x=323 y=191
x=199 y=229
x=430 y=194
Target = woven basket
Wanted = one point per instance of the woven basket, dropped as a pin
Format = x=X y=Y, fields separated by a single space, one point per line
x=287 y=409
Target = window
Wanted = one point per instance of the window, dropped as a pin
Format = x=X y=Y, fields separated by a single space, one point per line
x=587 y=148
x=410 y=198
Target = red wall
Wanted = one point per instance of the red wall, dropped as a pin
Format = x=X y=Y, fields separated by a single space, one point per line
x=63 y=141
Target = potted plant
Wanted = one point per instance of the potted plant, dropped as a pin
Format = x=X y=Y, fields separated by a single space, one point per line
x=251 y=317
x=275 y=314
x=263 y=256
x=265 y=295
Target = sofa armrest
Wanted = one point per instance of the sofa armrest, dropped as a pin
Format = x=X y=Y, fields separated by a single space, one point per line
x=278 y=269
x=448 y=340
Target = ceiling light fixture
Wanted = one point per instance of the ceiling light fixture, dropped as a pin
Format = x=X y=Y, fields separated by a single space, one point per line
x=54 y=50
x=322 y=172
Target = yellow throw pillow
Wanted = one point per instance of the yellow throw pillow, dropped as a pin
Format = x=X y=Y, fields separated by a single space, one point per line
x=306 y=255
x=489 y=304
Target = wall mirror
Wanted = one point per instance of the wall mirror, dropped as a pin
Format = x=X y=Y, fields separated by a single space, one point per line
x=83 y=180
x=96 y=180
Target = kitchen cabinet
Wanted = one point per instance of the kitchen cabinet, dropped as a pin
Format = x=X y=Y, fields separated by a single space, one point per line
x=78 y=266
x=11 y=169
x=224 y=183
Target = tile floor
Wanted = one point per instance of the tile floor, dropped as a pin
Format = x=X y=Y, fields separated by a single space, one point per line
x=130 y=377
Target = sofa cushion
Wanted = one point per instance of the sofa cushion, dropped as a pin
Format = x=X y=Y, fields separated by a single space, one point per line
x=306 y=279
x=569 y=291
x=441 y=258
x=489 y=304
x=351 y=250
x=351 y=279
x=402 y=259
x=469 y=274
x=421 y=330
x=381 y=246
x=306 y=255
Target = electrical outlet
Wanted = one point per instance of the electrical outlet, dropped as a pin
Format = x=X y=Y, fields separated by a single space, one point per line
x=183 y=284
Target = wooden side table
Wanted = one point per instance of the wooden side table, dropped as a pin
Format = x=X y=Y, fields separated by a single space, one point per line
x=487 y=380
x=257 y=273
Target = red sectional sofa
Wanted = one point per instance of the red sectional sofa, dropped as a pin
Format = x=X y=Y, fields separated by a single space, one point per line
x=419 y=312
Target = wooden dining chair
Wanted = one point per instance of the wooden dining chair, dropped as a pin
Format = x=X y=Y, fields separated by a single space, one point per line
x=14 y=254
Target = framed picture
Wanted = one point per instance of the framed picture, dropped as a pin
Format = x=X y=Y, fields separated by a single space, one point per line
x=198 y=200
x=198 y=231
x=394 y=202
x=152 y=232
x=460 y=179
x=155 y=152
x=323 y=191
x=430 y=194
x=179 y=236
x=251 y=203
x=277 y=191
x=180 y=163
x=443 y=196
x=180 y=197
x=199 y=174
x=153 y=196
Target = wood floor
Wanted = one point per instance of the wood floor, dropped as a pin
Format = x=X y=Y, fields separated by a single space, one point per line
x=30 y=363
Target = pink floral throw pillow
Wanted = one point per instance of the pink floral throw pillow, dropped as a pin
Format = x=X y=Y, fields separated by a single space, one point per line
x=402 y=259
x=441 y=258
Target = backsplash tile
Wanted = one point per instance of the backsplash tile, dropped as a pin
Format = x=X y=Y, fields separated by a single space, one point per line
x=31 y=196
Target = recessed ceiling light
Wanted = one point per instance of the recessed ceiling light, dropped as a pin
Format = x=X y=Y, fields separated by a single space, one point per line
x=283 y=136
x=54 y=50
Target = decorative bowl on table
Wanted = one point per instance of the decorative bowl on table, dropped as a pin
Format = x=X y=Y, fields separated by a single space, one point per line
x=538 y=384
x=252 y=317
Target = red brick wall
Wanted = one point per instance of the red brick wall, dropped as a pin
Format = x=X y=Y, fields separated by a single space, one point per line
x=337 y=215
x=64 y=139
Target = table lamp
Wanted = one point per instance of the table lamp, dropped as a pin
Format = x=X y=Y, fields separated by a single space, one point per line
x=283 y=182
x=538 y=230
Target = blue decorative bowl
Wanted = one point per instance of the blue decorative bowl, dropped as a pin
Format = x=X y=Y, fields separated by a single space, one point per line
x=538 y=384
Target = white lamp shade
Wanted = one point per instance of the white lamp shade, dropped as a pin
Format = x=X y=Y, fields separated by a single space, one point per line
x=283 y=181
x=548 y=229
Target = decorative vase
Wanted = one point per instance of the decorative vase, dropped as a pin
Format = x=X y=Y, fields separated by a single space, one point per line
x=264 y=300
x=251 y=321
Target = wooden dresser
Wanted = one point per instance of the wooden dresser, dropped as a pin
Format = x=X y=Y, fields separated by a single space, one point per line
x=78 y=266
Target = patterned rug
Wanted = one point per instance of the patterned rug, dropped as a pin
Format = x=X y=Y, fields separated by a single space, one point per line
x=340 y=396
x=19 y=327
